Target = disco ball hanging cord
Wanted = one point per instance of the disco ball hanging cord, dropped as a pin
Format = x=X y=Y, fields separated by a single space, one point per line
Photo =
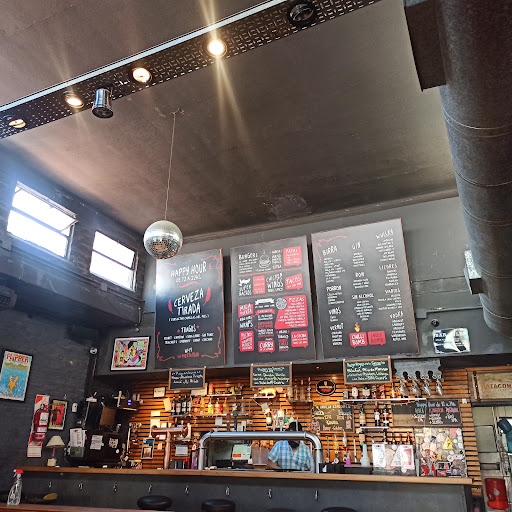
x=170 y=161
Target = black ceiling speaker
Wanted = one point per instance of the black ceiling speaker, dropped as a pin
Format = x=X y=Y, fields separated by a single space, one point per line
x=102 y=104
x=302 y=14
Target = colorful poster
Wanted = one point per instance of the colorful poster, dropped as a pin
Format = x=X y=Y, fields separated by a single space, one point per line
x=271 y=291
x=58 y=414
x=14 y=375
x=148 y=445
x=363 y=291
x=190 y=311
x=130 y=354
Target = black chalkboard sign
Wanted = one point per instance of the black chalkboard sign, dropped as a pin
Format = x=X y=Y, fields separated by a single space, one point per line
x=430 y=412
x=190 y=311
x=363 y=291
x=333 y=417
x=271 y=292
x=192 y=378
x=263 y=376
x=367 y=371
x=444 y=412
x=413 y=414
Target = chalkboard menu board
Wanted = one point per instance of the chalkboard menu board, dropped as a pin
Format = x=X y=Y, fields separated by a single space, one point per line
x=430 y=412
x=363 y=291
x=333 y=417
x=272 y=318
x=186 y=379
x=367 y=371
x=190 y=311
x=271 y=376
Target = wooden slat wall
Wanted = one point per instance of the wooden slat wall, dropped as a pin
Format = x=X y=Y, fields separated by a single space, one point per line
x=455 y=387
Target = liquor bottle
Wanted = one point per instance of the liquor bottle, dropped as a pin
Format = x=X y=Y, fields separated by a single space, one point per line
x=296 y=392
x=302 y=391
x=385 y=416
x=242 y=406
x=292 y=418
x=268 y=420
x=289 y=393
x=409 y=439
x=286 y=418
x=362 y=416
x=366 y=391
x=178 y=406
x=355 y=392
x=393 y=392
x=225 y=406
x=399 y=435
x=280 y=419
x=374 y=392
x=210 y=388
x=173 y=406
x=376 y=415
x=382 y=392
x=210 y=406
x=309 y=390
x=218 y=407
x=345 y=394
x=385 y=437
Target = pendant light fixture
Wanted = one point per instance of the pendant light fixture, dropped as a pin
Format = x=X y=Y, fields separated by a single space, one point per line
x=163 y=239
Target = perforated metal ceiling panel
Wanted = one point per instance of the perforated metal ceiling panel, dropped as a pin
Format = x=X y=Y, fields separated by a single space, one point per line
x=241 y=33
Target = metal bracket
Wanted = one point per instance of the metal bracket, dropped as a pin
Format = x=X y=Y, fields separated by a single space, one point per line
x=227 y=491
x=50 y=484
x=316 y=494
x=81 y=486
x=270 y=494
x=187 y=490
x=150 y=488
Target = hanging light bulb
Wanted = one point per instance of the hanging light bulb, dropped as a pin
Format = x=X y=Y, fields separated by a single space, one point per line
x=163 y=239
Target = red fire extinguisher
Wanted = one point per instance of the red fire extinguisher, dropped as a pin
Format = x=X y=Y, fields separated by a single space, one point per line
x=41 y=419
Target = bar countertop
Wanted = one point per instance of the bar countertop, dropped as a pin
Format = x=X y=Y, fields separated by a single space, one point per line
x=254 y=474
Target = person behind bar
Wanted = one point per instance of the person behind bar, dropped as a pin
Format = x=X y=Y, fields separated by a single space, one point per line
x=291 y=455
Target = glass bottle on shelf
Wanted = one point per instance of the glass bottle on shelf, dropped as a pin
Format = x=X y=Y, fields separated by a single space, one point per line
x=210 y=407
x=366 y=391
x=385 y=416
x=374 y=392
x=289 y=393
x=355 y=392
x=178 y=406
x=268 y=420
x=309 y=390
x=362 y=416
x=286 y=418
x=385 y=437
x=376 y=414
x=296 y=391
x=225 y=407
x=409 y=439
x=242 y=406
x=210 y=388
x=393 y=392
x=382 y=392
x=218 y=407
x=173 y=406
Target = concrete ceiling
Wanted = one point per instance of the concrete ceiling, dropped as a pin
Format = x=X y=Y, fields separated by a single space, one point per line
x=327 y=119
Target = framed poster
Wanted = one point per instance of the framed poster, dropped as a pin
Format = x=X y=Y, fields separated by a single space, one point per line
x=363 y=291
x=14 y=375
x=58 y=414
x=190 y=311
x=159 y=392
x=148 y=445
x=271 y=295
x=130 y=354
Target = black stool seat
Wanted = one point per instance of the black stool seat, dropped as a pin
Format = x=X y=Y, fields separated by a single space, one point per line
x=281 y=510
x=218 y=506
x=154 y=502
x=338 y=509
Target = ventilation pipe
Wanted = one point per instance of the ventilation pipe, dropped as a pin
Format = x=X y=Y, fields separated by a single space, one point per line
x=470 y=52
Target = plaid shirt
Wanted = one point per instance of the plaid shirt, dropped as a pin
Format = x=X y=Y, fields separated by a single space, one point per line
x=282 y=455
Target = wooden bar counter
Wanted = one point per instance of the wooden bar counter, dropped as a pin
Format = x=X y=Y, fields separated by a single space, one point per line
x=252 y=491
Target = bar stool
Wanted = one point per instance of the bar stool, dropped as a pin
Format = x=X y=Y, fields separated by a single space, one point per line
x=338 y=509
x=218 y=506
x=154 y=502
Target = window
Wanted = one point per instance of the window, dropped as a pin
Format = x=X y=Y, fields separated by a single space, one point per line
x=36 y=219
x=112 y=261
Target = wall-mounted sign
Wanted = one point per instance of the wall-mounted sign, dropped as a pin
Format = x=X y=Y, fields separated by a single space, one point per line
x=186 y=379
x=363 y=291
x=272 y=319
x=325 y=387
x=451 y=341
x=263 y=376
x=491 y=385
x=190 y=311
x=333 y=417
x=430 y=412
x=367 y=371
x=14 y=375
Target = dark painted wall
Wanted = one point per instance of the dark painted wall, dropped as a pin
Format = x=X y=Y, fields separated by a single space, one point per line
x=435 y=240
x=59 y=367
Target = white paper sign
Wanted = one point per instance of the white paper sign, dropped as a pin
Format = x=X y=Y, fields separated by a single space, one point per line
x=181 y=450
x=96 y=442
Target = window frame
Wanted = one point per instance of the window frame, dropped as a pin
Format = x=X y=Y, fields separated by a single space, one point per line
x=133 y=268
x=51 y=203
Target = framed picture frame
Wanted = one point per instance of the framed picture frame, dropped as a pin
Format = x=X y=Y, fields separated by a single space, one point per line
x=130 y=353
x=14 y=375
x=148 y=445
x=159 y=392
x=57 y=415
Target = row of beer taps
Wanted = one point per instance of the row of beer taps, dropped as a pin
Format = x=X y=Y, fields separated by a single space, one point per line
x=420 y=386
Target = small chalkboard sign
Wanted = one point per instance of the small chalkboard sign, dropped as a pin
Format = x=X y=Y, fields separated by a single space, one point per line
x=431 y=412
x=333 y=417
x=444 y=413
x=413 y=414
x=367 y=371
x=277 y=375
x=186 y=379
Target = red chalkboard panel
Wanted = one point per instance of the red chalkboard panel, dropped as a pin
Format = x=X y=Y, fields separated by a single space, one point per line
x=272 y=320
x=190 y=311
x=363 y=291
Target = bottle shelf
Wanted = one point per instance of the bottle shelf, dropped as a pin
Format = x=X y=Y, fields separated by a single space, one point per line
x=208 y=415
x=374 y=428
x=383 y=400
x=225 y=395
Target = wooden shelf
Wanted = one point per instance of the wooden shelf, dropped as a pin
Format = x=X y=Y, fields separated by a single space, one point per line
x=393 y=400
x=375 y=428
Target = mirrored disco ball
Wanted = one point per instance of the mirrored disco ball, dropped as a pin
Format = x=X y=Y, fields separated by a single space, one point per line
x=163 y=239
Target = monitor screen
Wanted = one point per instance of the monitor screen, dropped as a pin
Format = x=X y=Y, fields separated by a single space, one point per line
x=241 y=452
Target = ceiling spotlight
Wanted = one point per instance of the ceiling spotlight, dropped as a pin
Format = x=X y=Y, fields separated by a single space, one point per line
x=216 y=48
x=14 y=122
x=302 y=14
x=141 y=75
x=102 y=107
x=73 y=100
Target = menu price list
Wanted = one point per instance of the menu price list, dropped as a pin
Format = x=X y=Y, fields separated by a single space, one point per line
x=272 y=317
x=363 y=291
x=190 y=311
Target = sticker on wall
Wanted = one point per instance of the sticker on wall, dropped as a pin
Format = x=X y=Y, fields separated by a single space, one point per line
x=451 y=341
x=130 y=354
x=14 y=375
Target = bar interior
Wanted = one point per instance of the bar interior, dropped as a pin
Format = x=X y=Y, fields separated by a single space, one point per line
x=320 y=321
